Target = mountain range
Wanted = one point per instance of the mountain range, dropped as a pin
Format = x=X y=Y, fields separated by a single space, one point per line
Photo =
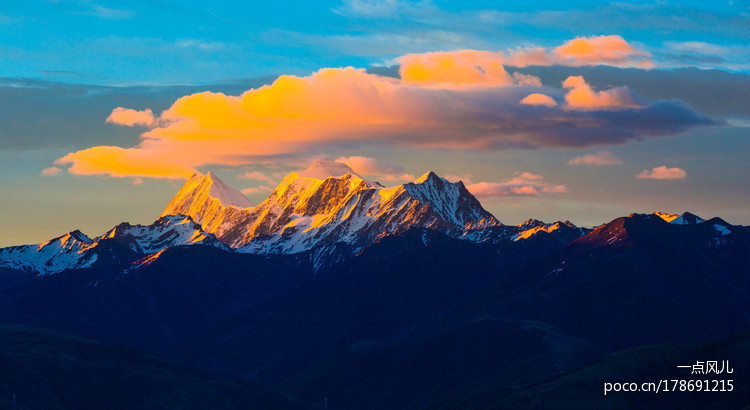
x=327 y=208
x=338 y=290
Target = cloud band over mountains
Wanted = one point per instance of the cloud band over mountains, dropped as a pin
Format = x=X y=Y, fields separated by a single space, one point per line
x=464 y=99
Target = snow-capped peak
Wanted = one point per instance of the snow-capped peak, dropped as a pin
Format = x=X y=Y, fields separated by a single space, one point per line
x=75 y=250
x=55 y=255
x=666 y=216
x=686 y=218
x=427 y=176
x=328 y=203
x=202 y=192
x=210 y=202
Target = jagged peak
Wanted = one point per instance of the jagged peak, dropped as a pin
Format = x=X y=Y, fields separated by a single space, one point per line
x=685 y=218
x=177 y=219
x=428 y=176
x=79 y=236
x=319 y=171
x=530 y=223
x=569 y=224
x=531 y=227
x=666 y=216
x=200 y=190
x=75 y=235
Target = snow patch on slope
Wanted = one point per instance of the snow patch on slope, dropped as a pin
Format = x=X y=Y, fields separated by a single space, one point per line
x=723 y=230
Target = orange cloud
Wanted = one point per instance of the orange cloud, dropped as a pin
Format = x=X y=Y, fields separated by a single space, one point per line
x=451 y=100
x=129 y=117
x=51 y=171
x=539 y=99
x=124 y=162
x=581 y=97
x=465 y=178
x=663 y=172
x=606 y=50
x=582 y=51
x=455 y=69
x=525 y=178
x=521 y=184
x=601 y=158
x=524 y=190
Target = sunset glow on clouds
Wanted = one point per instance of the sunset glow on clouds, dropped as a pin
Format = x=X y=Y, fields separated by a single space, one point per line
x=129 y=117
x=663 y=172
x=539 y=99
x=522 y=184
x=51 y=171
x=601 y=158
x=581 y=97
x=470 y=90
x=469 y=68
x=125 y=162
x=387 y=170
x=449 y=100
x=609 y=50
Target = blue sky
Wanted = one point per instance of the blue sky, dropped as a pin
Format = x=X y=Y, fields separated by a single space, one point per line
x=66 y=65
x=166 y=42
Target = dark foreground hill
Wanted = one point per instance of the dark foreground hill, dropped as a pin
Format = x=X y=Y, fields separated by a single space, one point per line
x=41 y=369
x=584 y=388
x=415 y=320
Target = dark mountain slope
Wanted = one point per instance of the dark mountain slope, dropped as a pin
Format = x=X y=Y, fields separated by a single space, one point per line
x=584 y=388
x=163 y=301
x=49 y=370
x=633 y=281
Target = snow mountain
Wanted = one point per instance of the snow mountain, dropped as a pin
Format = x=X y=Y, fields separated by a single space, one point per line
x=685 y=218
x=210 y=202
x=531 y=229
x=326 y=213
x=120 y=245
x=329 y=203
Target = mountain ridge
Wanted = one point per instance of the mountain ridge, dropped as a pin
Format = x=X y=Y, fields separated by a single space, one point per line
x=416 y=318
x=327 y=202
x=327 y=211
